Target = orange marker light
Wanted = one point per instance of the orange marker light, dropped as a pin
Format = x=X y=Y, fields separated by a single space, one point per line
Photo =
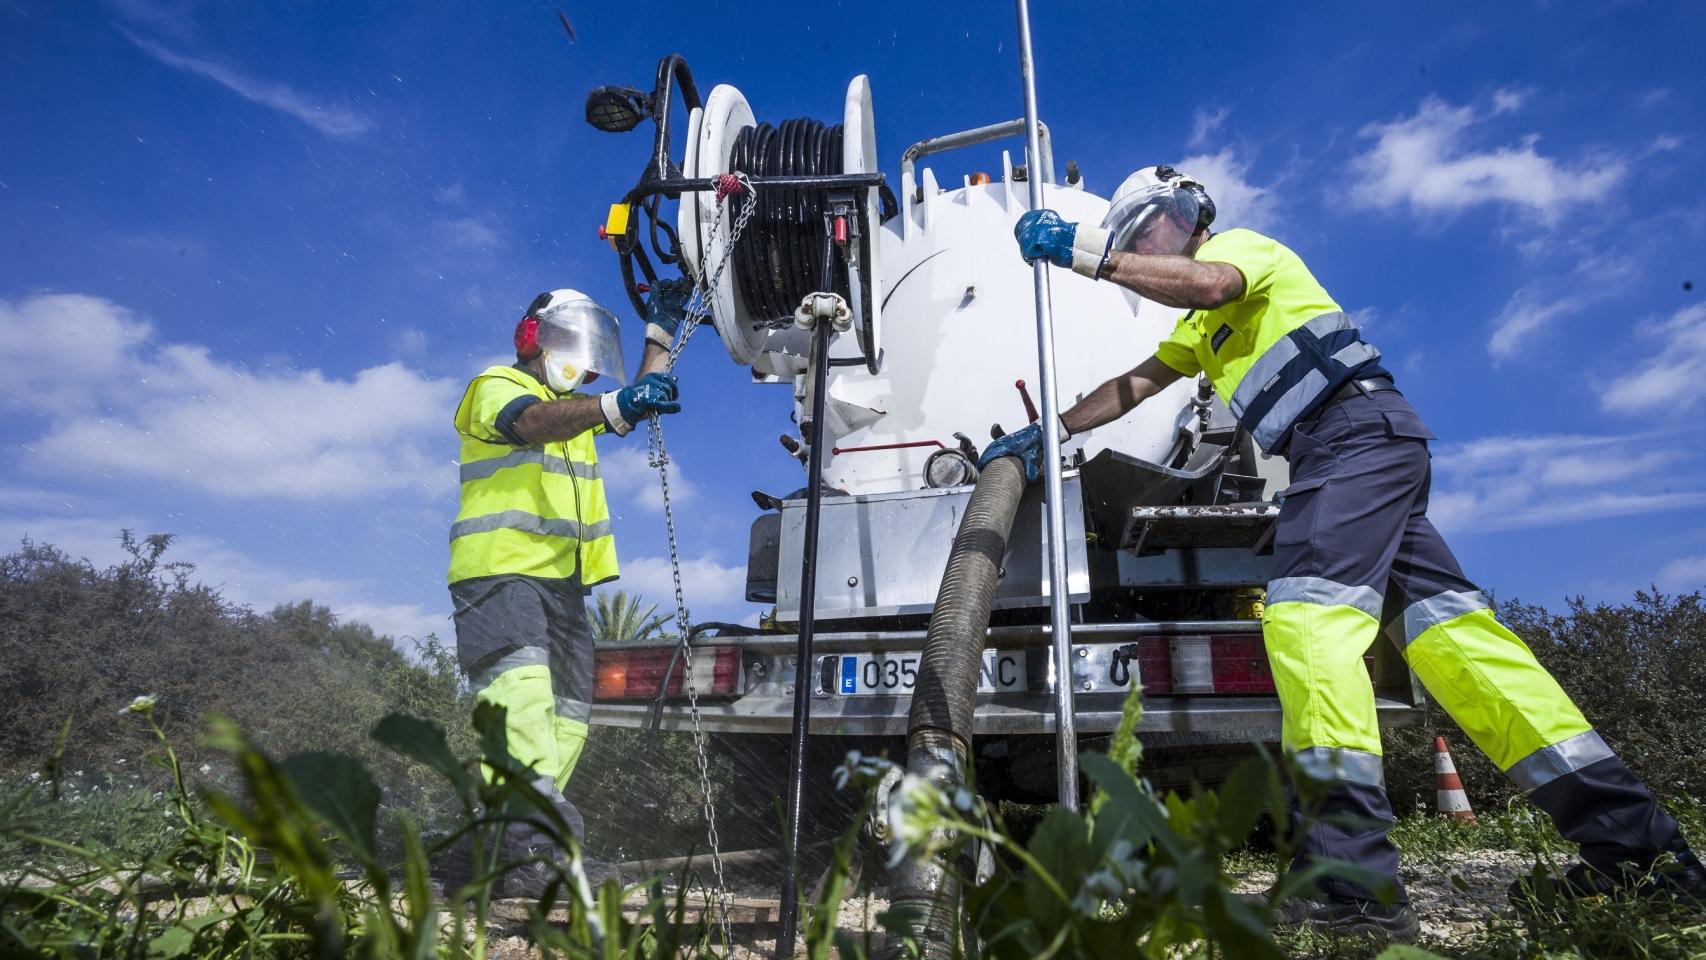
x=979 y=178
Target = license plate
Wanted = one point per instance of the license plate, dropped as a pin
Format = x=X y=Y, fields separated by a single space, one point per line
x=867 y=674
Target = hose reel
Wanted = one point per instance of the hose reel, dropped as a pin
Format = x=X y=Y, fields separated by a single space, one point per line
x=779 y=259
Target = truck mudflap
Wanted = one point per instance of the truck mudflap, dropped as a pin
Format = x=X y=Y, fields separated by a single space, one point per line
x=1200 y=677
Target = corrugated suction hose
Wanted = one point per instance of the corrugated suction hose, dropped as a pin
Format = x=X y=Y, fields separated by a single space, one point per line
x=939 y=729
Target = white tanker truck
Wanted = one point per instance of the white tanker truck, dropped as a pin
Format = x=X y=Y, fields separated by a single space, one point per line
x=1170 y=510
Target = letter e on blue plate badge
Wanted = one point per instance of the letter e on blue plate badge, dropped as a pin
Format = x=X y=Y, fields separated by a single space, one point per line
x=849 y=674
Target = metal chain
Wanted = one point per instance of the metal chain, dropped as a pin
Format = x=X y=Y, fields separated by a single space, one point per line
x=698 y=309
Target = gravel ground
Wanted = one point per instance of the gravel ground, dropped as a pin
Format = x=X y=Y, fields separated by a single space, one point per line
x=1455 y=897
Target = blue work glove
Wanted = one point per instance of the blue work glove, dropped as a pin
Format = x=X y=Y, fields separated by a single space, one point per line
x=652 y=393
x=666 y=307
x=1043 y=234
x=1025 y=443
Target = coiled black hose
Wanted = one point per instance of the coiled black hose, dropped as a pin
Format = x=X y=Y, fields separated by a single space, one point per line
x=939 y=727
x=779 y=258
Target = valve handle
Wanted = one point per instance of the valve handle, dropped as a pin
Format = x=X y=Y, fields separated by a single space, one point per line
x=1025 y=395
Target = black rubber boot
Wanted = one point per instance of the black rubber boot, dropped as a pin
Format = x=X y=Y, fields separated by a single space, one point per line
x=1347 y=917
x=1683 y=881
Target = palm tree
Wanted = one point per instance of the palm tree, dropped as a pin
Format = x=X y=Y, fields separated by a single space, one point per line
x=617 y=618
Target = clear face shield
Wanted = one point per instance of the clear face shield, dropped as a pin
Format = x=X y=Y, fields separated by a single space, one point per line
x=1156 y=220
x=578 y=342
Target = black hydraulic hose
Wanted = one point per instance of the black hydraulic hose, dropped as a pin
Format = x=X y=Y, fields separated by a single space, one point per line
x=939 y=727
x=780 y=258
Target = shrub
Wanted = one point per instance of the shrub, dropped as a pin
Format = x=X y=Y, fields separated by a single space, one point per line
x=1636 y=670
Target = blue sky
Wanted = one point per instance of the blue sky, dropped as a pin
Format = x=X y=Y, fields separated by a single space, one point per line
x=249 y=254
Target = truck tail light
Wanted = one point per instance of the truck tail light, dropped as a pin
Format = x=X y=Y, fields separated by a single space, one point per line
x=1155 y=661
x=1240 y=665
x=1229 y=663
x=639 y=674
x=1225 y=663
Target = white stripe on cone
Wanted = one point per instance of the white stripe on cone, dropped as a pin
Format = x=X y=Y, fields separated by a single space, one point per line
x=1449 y=796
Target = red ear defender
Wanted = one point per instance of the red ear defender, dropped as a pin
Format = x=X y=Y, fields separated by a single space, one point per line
x=527 y=337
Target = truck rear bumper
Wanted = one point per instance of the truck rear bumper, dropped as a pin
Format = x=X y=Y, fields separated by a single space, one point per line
x=765 y=702
x=1245 y=718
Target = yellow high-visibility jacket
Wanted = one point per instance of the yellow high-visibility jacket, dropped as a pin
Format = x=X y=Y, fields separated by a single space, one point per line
x=537 y=510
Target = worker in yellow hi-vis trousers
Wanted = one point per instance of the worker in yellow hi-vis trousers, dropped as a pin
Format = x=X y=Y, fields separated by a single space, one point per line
x=1354 y=552
x=533 y=532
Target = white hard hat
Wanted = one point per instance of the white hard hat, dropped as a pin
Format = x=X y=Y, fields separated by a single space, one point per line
x=577 y=339
x=1156 y=210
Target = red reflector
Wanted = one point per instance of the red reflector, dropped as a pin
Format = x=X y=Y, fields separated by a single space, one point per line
x=639 y=674
x=1155 y=658
x=1240 y=665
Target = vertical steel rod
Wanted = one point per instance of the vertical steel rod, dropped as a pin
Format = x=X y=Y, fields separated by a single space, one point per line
x=788 y=908
x=1060 y=613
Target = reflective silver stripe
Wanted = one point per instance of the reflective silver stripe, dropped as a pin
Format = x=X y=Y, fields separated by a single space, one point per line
x=1549 y=763
x=1297 y=401
x=1266 y=367
x=519 y=657
x=1355 y=352
x=1435 y=610
x=530 y=523
x=1342 y=763
x=1269 y=364
x=481 y=469
x=1329 y=323
x=568 y=709
x=1324 y=593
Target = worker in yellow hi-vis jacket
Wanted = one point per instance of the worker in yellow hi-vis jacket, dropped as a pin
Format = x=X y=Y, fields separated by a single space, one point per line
x=1354 y=552
x=533 y=533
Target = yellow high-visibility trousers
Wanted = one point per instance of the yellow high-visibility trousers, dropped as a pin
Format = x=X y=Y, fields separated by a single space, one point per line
x=1354 y=553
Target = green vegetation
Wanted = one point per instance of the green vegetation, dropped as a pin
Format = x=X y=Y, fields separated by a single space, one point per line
x=148 y=835
x=259 y=874
x=617 y=618
x=1637 y=672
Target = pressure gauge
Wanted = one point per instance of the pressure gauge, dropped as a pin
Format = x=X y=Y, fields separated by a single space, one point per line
x=949 y=468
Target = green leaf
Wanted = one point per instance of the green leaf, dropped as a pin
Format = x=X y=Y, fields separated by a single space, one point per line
x=341 y=793
x=490 y=722
x=1234 y=925
x=1403 y=951
x=423 y=912
x=1145 y=820
x=1243 y=799
x=424 y=742
x=173 y=943
x=1061 y=847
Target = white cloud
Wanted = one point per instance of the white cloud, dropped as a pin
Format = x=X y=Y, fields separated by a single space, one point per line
x=1654 y=97
x=712 y=589
x=176 y=413
x=36 y=337
x=330 y=119
x=1426 y=162
x=629 y=475
x=1514 y=482
x=1205 y=124
x=467 y=233
x=1683 y=573
x=1237 y=201
x=1527 y=312
x=172 y=18
x=1664 y=143
x=1674 y=378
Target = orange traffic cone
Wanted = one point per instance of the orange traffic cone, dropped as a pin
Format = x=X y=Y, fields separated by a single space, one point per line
x=1448 y=788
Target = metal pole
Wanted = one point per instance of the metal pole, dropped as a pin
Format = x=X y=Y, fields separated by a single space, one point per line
x=788 y=908
x=1060 y=613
